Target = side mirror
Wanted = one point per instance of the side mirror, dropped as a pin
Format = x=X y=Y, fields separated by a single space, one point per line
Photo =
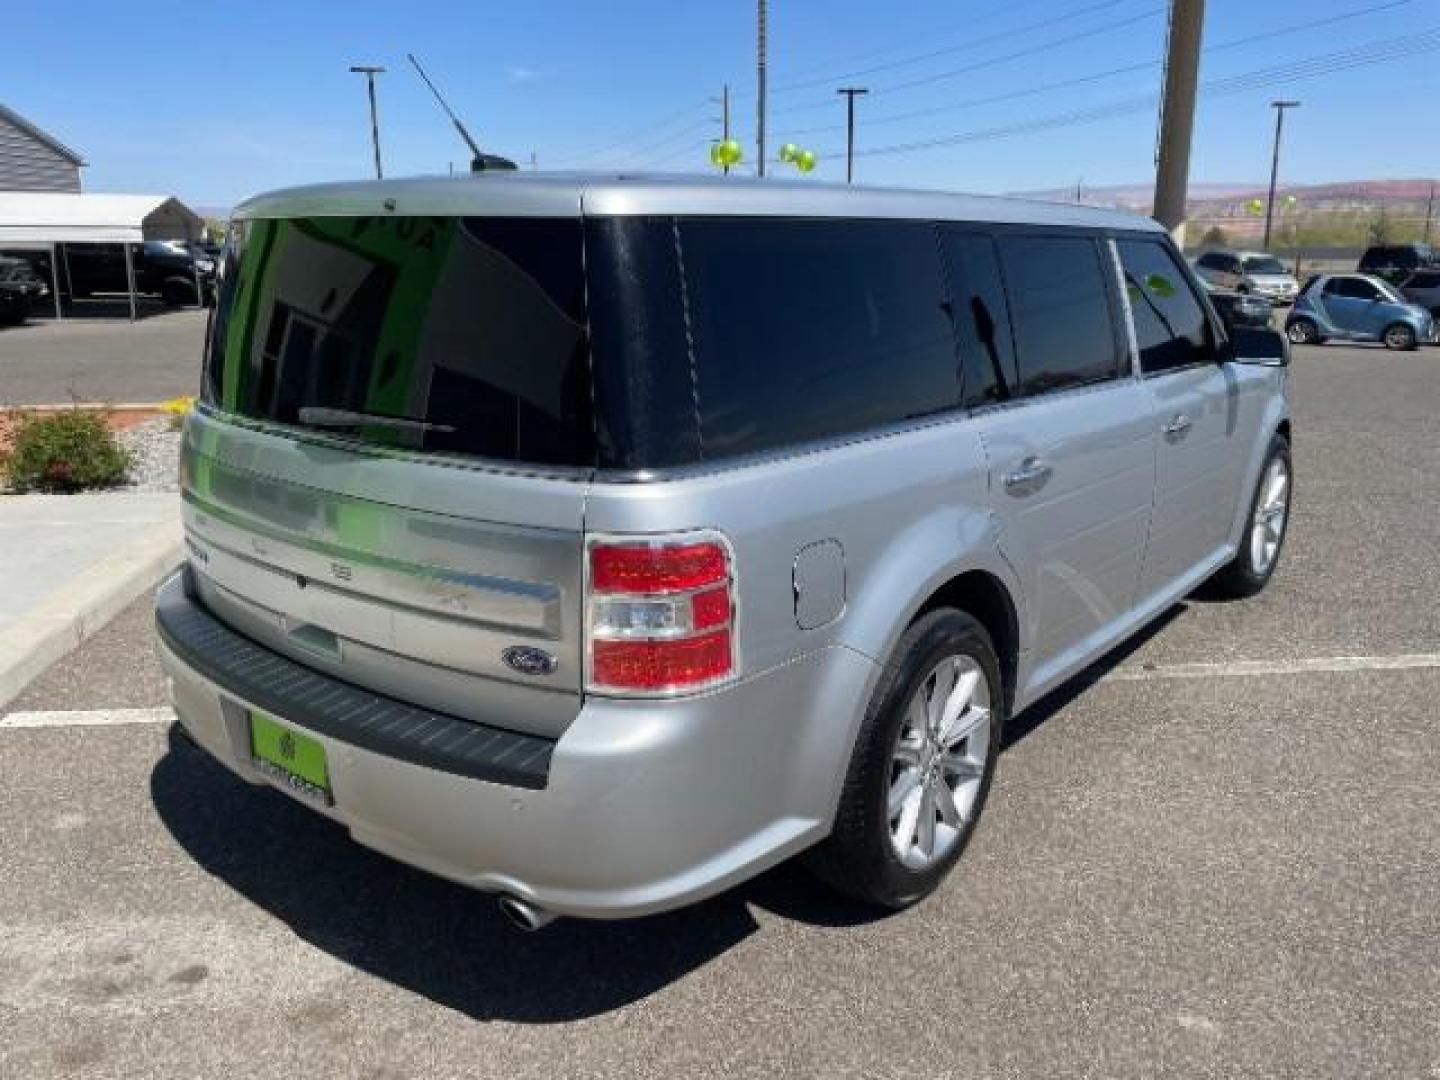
x=1259 y=345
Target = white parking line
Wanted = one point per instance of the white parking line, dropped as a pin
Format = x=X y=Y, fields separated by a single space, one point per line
x=87 y=718
x=1125 y=673
x=1138 y=672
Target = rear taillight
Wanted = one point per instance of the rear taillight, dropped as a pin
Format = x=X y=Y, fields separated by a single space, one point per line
x=661 y=614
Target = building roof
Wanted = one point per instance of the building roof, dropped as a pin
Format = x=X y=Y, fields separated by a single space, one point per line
x=10 y=115
x=537 y=194
x=63 y=217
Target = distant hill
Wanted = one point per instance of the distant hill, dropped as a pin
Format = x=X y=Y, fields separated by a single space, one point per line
x=1351 y=212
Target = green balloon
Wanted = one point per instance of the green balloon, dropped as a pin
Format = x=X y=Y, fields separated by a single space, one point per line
x=789 y=152
x=724 y=153
x=805 y=160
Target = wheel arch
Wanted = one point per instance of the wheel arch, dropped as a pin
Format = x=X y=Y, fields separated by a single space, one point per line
x=986 y=597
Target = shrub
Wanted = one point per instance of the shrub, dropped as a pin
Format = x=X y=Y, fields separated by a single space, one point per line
x=64 y=451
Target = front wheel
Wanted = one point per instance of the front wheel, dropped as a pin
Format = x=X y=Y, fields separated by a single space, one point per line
x=1302 y=332
x=922 y=765
x=1251 y=569
x=1399 y=336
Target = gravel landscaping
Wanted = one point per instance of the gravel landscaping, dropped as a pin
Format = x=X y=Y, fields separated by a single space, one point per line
x=154 y=448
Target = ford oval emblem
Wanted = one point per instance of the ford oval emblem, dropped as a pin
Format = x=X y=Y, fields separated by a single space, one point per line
x=528 y=661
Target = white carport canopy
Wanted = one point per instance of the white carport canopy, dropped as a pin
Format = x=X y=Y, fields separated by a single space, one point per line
x=44 y=219
x=28 y=217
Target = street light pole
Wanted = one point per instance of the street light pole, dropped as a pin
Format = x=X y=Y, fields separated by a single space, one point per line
x=370 y=71
x=1279 y=107
x=850 y=92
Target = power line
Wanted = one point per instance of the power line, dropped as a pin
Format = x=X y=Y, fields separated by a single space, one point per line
x=639 y=132
x=964 y=46
x=995 y=61
x=1098 y=76
x=1383 y=51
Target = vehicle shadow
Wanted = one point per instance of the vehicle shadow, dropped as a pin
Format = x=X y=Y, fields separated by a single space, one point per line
x=443 y=941
x=1030 y=719
x=449 y=943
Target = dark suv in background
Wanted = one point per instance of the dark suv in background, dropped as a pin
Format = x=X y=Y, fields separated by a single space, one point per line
x=1396 y=262
x=168 y=269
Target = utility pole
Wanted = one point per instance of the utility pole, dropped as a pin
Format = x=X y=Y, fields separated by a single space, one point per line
x=725 y=117
x=760 y=31
x=1177 y=114
x=1279 y=107
x=370 y=71
x=850 y=92
x=1429 y=210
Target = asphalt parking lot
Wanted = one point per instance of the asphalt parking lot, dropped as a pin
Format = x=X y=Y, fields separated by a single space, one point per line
x=1219 y=857
x=102 y=361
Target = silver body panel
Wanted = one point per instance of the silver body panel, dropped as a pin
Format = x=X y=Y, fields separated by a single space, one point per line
x=654 y=803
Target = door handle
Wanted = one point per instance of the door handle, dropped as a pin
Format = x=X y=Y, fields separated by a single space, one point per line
x=1177 y=427
x=1031 y=476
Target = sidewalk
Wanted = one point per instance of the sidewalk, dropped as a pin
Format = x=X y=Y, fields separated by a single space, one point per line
x=70 y=562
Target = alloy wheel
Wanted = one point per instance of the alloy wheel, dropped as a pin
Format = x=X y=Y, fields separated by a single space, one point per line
x=1271 y=511
x=939 y=761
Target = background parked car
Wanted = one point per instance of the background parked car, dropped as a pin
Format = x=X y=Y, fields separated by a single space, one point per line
x=1357 y=307
x=163 y=268
x=1237 y=308
x=1249 y=272
x=1423 y=288
x=21 y=276
x=1395 y=262
x=14 y=304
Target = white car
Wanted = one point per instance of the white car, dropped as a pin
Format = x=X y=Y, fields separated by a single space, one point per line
x=1249 y=272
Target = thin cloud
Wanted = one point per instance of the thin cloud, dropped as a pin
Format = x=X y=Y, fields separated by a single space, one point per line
x=517 y=73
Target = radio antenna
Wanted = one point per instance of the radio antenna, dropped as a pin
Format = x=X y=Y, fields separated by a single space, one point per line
x=479 y=161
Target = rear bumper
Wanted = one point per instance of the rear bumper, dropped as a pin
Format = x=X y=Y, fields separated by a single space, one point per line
x=643 y=805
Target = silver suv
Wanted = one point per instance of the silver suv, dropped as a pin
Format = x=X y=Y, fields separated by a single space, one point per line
x=1255 y=272
x=599 y=543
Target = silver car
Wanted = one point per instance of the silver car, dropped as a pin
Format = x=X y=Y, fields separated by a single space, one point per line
x=601 y=542
x=1256 y=272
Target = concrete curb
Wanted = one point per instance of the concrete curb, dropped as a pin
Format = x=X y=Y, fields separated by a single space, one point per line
x=57 y=626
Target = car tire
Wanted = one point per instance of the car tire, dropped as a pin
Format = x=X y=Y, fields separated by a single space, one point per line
x=861 y=857
x=1303 y=332
x=1254 y=565
x=1399 y=336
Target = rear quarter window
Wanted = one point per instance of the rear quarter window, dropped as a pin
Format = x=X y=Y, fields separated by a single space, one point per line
x=1060 y=308
x=803 y=330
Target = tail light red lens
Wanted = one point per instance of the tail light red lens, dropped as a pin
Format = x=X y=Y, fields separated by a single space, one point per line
x=661 y=615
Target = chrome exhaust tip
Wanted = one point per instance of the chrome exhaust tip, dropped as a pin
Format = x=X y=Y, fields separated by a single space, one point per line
x=524 y=915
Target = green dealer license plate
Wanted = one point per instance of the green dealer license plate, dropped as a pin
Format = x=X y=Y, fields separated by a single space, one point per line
x=289 y=757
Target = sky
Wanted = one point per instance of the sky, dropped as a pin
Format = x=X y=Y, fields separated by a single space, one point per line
x=215 y=101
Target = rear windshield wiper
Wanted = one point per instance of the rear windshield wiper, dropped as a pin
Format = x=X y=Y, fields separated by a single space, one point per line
x=319 y=416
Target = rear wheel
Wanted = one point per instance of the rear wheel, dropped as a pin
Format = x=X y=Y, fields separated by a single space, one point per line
x=922 y=765
x=1302 y=332
x=1264 y=537
x=1399 y=336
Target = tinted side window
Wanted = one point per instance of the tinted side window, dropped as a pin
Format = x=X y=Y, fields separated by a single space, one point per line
x=1351 y=287
x=1212 y=261
x=1060 y=308
x=981 y=316
x=1170 y=325
x=807 y=329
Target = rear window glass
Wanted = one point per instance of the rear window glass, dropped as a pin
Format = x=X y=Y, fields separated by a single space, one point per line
x=1064 y=331
x=808 y=329
x=456 y=335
